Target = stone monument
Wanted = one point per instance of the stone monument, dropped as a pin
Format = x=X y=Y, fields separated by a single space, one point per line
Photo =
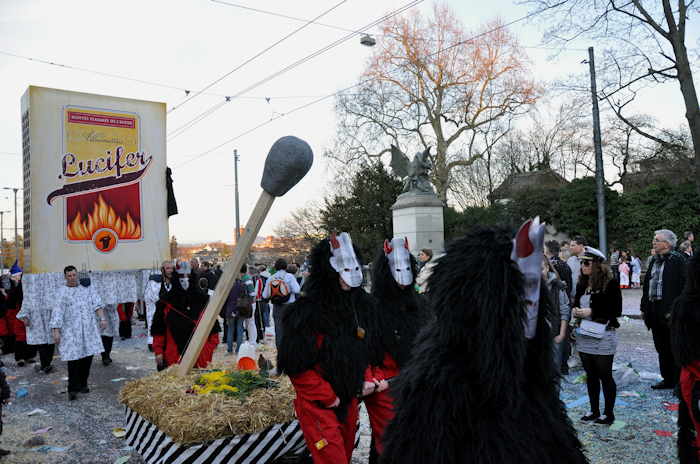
x=418 y=212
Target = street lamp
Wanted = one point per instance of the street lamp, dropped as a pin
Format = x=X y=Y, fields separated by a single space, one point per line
x=14 y=190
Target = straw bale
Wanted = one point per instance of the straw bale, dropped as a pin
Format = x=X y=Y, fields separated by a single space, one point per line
x=163 y=400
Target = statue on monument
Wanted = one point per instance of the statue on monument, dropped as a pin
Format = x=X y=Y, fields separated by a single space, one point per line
x=414 y=173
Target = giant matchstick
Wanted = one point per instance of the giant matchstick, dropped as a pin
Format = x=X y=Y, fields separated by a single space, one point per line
x=288 y=161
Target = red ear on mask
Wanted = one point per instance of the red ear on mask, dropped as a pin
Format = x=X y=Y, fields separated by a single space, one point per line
x=387 y=247
x=405 y=243
x=335 y=244
x=523 y=245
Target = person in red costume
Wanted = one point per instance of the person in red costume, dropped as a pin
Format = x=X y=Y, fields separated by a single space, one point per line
x=685 y=339
x=24 y=354
x=326 y=350
x=176 y=317
x=401 y=313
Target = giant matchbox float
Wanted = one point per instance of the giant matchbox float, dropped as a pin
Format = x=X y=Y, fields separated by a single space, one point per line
x=94 y=192
x=96 y=196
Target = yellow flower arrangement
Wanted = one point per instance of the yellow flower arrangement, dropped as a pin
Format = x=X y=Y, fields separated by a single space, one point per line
x=231 y=383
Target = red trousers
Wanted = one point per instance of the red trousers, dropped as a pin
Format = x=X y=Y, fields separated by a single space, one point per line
x=329 y=440
x=380 y=408
x=16 y=327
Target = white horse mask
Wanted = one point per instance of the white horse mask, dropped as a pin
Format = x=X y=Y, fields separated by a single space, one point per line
x=344 y=260
x=528 y=253
x=399 y=258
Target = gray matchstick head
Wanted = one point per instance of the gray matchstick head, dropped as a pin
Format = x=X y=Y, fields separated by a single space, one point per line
x=288 y=161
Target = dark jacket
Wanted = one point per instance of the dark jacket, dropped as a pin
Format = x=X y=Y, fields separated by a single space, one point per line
x=229 y=310
x=606 y=306
x=674 y=275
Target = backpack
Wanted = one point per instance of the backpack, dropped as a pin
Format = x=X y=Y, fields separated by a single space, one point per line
x=244 y=302
x=564 y=272
x=279 y=291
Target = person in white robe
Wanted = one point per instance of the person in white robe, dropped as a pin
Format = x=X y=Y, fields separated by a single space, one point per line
x=76 y=331
x=36 y=320
x=151 y=295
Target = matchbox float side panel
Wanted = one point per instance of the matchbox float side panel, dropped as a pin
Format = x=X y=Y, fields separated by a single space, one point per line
x=94 y=176
x=157 y=448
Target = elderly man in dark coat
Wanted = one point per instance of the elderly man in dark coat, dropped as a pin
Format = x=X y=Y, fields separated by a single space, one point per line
x=663 y=283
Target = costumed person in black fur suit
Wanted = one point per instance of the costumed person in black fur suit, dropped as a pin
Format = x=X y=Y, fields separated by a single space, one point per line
x=481 y=386
x=401 y=313
x=325 y=350
x=685 y=339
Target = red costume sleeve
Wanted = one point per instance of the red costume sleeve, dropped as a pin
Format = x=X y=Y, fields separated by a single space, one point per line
x=387 y=370
x=312 y=387
x=159 y=344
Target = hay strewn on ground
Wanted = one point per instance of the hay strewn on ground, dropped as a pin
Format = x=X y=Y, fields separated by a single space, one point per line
x=161 y=398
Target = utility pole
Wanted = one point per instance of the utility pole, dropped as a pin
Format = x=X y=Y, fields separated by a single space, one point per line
x=16 y=240
x=599 y=172
x=2 y=240
x=235 y=175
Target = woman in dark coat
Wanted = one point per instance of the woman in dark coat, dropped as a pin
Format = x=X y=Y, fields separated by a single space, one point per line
x=598 y=302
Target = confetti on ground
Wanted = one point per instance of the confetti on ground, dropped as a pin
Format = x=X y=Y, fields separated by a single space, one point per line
x=40 y=431
x=629 y=394
x=670 y=406
x=46 y=449
x=36 y=411
x=11 y=377
x=119 y=379
x=584 y=400
x=21 y=393
x=119 y=432
x=663 y=433
x=122 y=460
x=618 y=425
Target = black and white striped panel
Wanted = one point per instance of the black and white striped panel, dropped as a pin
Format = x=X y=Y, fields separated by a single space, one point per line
x=157 y=448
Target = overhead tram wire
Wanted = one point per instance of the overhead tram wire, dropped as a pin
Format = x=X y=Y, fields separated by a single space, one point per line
x=177 y=132
x=281 y=15
x=256 y=56
x=301 y=107
x=140 y=81
x=269 y=121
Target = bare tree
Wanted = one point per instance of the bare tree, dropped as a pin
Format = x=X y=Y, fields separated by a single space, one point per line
x=430 y=85
x=302 y=223
x=646 y=44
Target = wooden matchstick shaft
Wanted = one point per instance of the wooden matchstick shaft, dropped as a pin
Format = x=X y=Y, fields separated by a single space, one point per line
x=226 y=281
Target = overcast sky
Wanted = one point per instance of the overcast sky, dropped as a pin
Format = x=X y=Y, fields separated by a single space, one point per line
x=188 y=45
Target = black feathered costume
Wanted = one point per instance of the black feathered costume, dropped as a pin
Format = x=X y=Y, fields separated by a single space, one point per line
x=325 y=352
x=401 y=313
x=476 y=390
x=685 y=339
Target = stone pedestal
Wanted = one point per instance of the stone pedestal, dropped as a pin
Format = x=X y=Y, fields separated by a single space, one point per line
x=419 y=216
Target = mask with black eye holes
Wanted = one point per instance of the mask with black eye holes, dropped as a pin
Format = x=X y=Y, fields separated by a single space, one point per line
x=399 y=257
x=344 y=260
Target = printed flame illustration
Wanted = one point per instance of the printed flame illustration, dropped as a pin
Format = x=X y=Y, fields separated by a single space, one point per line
x=103 y=216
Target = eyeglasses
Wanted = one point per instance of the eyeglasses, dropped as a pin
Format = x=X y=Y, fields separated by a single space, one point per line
x=586 y=263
